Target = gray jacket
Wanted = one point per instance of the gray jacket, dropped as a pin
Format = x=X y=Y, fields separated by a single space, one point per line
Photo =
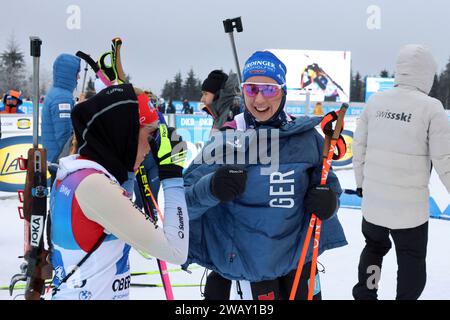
x=222 y=106
x=400 y=132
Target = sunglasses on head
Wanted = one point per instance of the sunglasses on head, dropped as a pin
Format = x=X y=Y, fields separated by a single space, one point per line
x=268 y=90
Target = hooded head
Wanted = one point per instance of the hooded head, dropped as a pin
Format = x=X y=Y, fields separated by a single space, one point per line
x=107 y=129
x=415 y=67
x=13 y=95
x=65 y=70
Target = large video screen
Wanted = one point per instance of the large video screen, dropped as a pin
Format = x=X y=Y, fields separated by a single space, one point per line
x=324 y=74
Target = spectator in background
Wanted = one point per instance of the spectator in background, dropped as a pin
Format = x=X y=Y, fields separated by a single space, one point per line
x=236 y=108
x=187 y=107
x=219 y=92
x=11 y=101
x=153 y=98
x=318 y=109
x=170 y=107
x=162 y=106
x=400 y=132
x=56 y=126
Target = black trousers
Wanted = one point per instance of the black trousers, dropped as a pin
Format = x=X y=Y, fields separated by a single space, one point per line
x=411 y=251
x=218 y=288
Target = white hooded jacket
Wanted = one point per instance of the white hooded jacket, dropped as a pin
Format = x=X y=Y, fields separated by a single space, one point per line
x=400 y=132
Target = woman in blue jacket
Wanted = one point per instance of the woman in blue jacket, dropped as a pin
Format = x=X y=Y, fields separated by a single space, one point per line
x=56 y=126
x=248 y=220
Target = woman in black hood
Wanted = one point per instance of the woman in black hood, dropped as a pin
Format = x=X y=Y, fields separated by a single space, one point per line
x=90 y=212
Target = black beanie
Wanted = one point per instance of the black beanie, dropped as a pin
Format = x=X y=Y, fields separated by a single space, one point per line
x=215 y=81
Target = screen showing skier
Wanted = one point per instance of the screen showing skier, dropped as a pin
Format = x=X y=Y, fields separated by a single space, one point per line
x=324 y=74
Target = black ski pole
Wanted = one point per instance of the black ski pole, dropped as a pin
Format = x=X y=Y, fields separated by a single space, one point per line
x=229 y=25
x=84 y=77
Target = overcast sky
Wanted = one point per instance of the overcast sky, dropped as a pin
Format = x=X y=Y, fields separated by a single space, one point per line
x=162 y=37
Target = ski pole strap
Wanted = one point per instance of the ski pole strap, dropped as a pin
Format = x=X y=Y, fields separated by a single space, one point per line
x=327 y=128
x=108 y=70
x=341 y=148
x=79 y=264
x=327 y=123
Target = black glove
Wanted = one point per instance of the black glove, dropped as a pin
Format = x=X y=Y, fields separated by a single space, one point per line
x=170 y=153
x=322 y=201
x=359 y=192
x=228 y=182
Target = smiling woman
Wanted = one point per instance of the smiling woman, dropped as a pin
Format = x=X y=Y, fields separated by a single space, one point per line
x=262 y=97
x=264 y=92
x=246 y=226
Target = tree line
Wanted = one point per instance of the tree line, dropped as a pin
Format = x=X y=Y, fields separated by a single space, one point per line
x=15 y=75
x=179 y=89
x=440 y=89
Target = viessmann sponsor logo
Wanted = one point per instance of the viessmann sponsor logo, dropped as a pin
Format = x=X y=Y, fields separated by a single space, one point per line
x=23 y=123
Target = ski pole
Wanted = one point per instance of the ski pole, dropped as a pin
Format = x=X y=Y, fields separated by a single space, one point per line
x=117 y=63
x=98 y=72
x=229 y=25
x=328 y=151
x=84 y=77
x=149 y=201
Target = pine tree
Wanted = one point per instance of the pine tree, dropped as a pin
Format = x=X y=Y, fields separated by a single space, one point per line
x=363 y=89
x=90 y=88
x=357 y=90
x=167 y=90
x=12 y=67
x=444 y=86
x=384 y=73
x=177 y=93
x=434 y=92
x=190 y=87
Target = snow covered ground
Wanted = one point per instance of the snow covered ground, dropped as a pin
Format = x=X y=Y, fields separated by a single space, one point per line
x=340 y=264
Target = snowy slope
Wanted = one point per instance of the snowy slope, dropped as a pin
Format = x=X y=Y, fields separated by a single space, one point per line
x=340 y=264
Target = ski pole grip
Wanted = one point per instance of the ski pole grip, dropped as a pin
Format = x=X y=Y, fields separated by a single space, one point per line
x=340 y=120
x=35 y=46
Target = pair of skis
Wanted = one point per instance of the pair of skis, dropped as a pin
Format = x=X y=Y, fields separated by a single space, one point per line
x=315 y=223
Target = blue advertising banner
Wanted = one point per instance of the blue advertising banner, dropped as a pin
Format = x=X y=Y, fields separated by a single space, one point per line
x=195 y=131
x=374 y=85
